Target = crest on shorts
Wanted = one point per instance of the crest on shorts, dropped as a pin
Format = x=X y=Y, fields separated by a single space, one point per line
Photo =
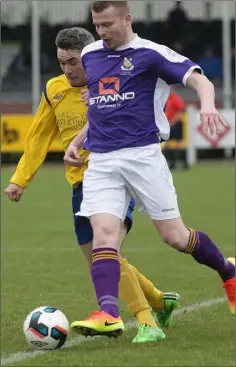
x=127 y=64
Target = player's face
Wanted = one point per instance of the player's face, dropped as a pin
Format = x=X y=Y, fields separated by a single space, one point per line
x=70 y=63
x=112 y=26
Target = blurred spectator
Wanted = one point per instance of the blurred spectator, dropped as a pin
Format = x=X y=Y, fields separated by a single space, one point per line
x=174 y=149
x=176 y=23
x=23 y=61
x=177 y=16
x=211 y=64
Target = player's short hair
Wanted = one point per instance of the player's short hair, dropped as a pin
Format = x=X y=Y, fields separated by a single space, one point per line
x=99 y=6
x=75 y=38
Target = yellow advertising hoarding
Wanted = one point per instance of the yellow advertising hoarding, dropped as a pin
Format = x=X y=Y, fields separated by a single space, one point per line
x=14 y=129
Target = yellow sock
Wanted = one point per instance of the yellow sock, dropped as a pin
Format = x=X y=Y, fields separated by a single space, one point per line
x=132 y=294
x=153 y=295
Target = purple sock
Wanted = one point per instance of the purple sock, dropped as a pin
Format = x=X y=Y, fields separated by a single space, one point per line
x=205 y=252
x=106 y=276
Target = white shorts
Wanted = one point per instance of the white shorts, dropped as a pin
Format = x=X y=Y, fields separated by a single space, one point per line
x=112 y=178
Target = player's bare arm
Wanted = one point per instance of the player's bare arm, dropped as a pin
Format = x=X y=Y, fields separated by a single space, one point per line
x=206 y=92
x=78 y=141
x=72 y=157
x=85 y=96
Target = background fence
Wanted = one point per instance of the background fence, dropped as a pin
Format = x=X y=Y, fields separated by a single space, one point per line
x=201 y=30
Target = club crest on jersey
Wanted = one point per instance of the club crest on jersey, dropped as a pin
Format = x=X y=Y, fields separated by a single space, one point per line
x=127 y=64
x=58 y=97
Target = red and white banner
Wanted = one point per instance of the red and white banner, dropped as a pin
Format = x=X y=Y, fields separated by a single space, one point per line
x=198 y=138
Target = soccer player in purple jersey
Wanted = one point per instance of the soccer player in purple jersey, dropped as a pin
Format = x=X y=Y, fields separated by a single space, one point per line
x=62 y=111
x=128 y=80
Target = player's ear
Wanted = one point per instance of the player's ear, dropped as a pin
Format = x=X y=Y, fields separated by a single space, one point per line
x=128 y=19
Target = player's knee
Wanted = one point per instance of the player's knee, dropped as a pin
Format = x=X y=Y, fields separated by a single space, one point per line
x=174 y=239
x=105 y=234
x=102 y=233
x=173 y=232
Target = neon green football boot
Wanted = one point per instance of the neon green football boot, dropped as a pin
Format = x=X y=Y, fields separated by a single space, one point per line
x=171 y=302
x=147 y=333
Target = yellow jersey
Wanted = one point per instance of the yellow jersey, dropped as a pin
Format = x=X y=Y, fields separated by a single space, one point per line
x=62 y=111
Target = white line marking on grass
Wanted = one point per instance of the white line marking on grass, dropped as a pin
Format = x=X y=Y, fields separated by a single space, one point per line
x=22 y=356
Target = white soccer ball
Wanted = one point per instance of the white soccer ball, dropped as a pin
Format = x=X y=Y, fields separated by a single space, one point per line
x=46 y=328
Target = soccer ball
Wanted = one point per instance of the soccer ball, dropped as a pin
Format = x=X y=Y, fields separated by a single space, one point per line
x=46 y=328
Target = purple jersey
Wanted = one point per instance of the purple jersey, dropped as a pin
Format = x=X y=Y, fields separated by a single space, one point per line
x=128 y=90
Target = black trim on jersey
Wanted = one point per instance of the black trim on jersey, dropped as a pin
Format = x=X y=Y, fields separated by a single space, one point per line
x=46 y=95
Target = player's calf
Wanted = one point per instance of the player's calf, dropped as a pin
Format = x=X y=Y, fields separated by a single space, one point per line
x=173 y=232
x=201 y=247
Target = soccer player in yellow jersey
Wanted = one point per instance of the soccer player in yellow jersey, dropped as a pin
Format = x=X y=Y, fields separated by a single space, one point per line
x=62 y=110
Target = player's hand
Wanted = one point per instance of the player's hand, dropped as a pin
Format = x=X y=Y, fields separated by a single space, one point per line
x=85 y=96
x=212 y=120
x=14 y=192
x=72 y=157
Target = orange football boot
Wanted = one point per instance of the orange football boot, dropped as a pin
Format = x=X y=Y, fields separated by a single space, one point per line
x=229 y=286
x=99 y=323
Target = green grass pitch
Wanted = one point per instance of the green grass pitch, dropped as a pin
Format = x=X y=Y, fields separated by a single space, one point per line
x=42 y=265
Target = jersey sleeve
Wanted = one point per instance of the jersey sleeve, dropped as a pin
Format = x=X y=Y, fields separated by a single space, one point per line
x=39 y=138
x=172 y=67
